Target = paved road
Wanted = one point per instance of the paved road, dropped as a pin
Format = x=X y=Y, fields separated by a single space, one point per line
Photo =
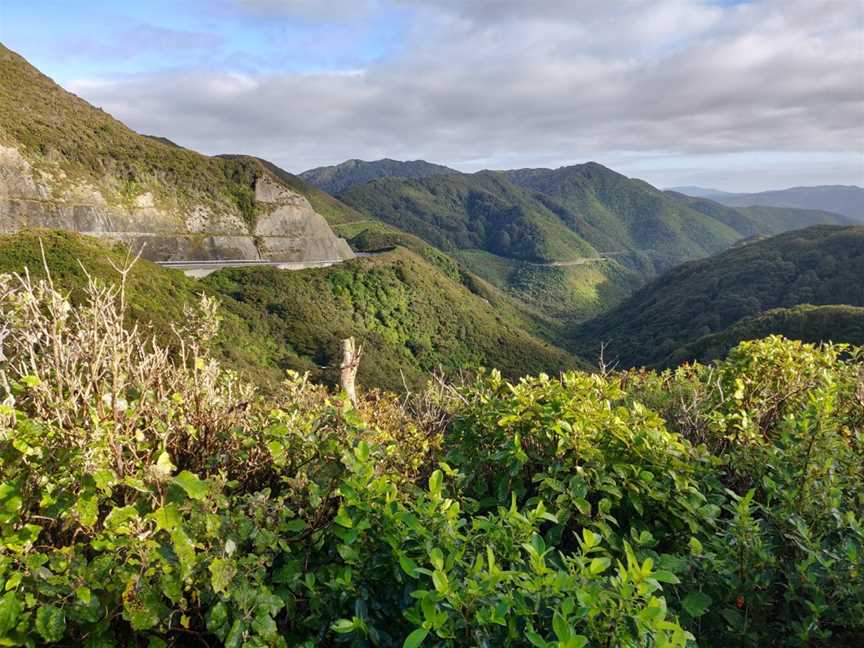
x=204 y=268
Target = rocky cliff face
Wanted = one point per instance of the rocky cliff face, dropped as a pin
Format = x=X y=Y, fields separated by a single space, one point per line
x=65 y=164
x=284 y=227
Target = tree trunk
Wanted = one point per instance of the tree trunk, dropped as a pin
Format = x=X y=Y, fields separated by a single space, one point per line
x=350 y=363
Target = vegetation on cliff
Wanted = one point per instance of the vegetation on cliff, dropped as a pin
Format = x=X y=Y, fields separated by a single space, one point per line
x=151 y=502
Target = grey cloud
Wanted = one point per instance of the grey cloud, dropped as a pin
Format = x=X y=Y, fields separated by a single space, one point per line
x=689 y=79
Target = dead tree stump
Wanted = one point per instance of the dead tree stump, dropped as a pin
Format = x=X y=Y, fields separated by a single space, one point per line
x=350 y=363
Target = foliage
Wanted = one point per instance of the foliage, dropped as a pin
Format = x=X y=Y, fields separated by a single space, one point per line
x=416 y=315
x=338 y=178
x=145 y=501
x=413 y=316
x=818 y=265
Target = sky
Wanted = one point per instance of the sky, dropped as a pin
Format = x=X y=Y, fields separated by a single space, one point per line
x=739 y=95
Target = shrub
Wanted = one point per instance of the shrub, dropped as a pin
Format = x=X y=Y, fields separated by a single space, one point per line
x=151 y=499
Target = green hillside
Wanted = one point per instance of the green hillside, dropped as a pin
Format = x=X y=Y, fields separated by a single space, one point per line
x=53 y=127
x=412 y=317
x=336 y=179
x=568 y=243
x=820 y=265
x=414 y=314
x=808 y=323
x=480 y=211
x=622 y=215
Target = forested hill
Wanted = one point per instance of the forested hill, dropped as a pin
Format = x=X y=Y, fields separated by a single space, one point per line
x=413 y=311
x=819 y=265
x=338 y=178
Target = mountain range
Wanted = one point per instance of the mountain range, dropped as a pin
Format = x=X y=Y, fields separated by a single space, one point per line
x=526 y=270
x=847 y=200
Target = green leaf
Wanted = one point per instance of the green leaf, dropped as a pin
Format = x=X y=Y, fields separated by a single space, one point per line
x=221 y=574
x=10 y=608
x=164 y=466
x=599 y=565
x=561 y=627
x=695 y=547
x=13 y=581
x=87 y=508
x=167 y=518
x=50 y=623
x=663 y=576
x=84 y=594
x=118 y=517
x=342 y=626
x=194 y=487
x=184 y=548
x=415 y=638
x=696 y=603
x=343 y=518
x=439 y=579
x=435 y=483
x=408 y=566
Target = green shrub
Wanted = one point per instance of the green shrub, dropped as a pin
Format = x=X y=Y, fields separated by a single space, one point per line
x=146 y=500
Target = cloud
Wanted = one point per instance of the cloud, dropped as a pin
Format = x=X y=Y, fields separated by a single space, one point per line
x=503 y=83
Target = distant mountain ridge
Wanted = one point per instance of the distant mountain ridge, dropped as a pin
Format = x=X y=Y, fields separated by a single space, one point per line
x=847 y=200
x=567 y=242
x=338 y=178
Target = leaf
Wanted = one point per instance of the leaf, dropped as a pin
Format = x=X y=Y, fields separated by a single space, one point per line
x=164 y=466
x=343 y=518
x=590 y=538
x=194 y=487
x=342 y=626
x=118 y=517
x=561 y=627
x=598 y=565
x=184 y=548
x=696 y=603
x=415 y=638
x=84 y=595
x=87 y=508
x=439 y=579
x=663 y=576
x=50 y=623
x=435 y=483
x=695 y=547
x=167 y=517
x=10 y=608
x=221 y=574
x=408 y=566
x=13 y=581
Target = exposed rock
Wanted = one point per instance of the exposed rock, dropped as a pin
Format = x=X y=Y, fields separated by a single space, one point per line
x=287 y=228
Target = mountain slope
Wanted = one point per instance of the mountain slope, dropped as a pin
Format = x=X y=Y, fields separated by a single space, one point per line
x=66 y=164
x=846 y=200
x=568 y=243
x=336 y=179
x=814 y=324
x=820 y=265
x=622 y=215
x=412 y=314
